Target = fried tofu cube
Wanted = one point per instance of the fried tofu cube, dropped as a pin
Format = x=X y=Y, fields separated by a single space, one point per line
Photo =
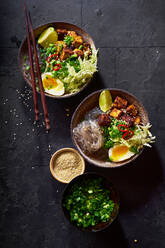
x=128 y=119
x=78 y=52
x=60 y=46
x=87 y=48
x=116 y=113
x=77 y=41
x=61 y=33
x=120 y=102
x=131 y=109
x=66 y=53
x=72 y=33
x=137 y=120
x=104 y=120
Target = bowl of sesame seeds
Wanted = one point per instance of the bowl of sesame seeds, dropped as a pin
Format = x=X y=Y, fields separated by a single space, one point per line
x=66 y=164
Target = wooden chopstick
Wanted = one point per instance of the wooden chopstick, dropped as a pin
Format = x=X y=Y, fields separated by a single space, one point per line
x=31 y=66
x=43 y=100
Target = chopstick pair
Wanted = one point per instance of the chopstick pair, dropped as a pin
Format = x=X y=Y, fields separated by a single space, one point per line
x=43 y=100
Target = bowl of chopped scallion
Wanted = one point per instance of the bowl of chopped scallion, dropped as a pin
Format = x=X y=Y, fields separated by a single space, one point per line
x=90 y=202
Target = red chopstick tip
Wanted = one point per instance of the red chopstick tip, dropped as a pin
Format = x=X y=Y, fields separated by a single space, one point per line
x=24 y=5
x=37 y=116
x=47 y=127
x=47 y=121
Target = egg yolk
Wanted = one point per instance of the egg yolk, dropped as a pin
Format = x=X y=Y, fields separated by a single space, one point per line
x=49 y=82
x=119 y=151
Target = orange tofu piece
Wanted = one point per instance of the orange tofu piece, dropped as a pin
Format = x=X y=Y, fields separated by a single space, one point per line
x=120 y=102
x=131 y=109
x=59 y=44
x=78 y=52
x=72 y=33
x=87 y=48
x=61 y=33
x=116 y=113
x=137 y=120
x=77 y=41
x=66 y=53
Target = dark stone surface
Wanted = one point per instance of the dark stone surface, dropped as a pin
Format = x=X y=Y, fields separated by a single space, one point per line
x=125 y=23
x=131 y=38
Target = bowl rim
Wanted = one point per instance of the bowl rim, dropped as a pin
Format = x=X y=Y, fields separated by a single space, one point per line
x=91 y=161
x=62 y=150
x=28 y=81
x=86 y=174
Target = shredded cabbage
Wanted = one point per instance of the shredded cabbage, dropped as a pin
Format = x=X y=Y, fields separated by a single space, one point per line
x=142 y=137
x=75 y=80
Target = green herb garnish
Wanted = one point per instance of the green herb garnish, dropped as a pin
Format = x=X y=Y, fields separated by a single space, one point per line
x=27 y=68
x=80 y=47
x=111 y=133
x=60 y=48
x=68 y=40
x=134 y=149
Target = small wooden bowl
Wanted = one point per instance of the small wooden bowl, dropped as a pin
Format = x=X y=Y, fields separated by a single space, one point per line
x=114 y=196
x=23 y=51
x=99 y=158
x=53 y=163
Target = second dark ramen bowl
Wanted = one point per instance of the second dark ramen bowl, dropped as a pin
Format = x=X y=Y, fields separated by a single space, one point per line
x=99 y=158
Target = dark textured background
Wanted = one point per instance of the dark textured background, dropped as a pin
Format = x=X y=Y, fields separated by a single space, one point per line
x=131 y=38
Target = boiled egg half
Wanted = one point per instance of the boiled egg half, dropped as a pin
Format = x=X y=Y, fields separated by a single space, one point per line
x=119 y=153
x=51 y=85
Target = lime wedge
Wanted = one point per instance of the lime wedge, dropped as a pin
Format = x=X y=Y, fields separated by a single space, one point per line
x=105 y=100
x=47 y=37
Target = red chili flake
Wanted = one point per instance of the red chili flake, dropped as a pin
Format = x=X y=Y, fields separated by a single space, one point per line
x=53 y=55
x=123 y=130
x=128 y=134
x=57 y=67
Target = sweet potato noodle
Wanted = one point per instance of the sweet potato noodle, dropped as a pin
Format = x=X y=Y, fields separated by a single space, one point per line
x=88 y=135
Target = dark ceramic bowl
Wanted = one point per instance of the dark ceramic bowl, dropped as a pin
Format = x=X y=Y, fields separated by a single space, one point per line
x=99 y=158
x=23 y=51
x=114 y=196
